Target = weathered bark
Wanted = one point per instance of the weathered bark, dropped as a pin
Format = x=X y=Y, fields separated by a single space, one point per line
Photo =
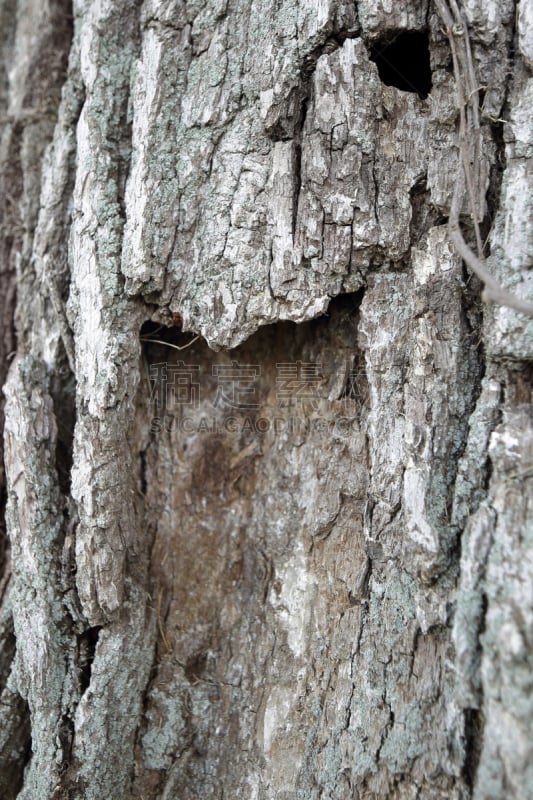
x=293 y=557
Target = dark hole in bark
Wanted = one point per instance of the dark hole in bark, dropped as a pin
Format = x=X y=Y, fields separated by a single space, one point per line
x=195 y=667
x=474 y=725
x=66 y=738
x=356 y=386
x=64 y=397
x=87 y=642
x=344 y=311
x=8 y=653
x=162 y=344
x=155 y=333
x=424 y=215
x=403 y=61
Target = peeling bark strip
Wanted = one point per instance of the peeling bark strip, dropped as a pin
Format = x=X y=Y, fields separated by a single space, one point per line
x=268 y=457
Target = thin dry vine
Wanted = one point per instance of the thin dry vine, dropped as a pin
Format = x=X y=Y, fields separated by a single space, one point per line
x=467 y=92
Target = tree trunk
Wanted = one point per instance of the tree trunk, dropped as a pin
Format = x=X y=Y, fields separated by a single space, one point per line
x=268 y=455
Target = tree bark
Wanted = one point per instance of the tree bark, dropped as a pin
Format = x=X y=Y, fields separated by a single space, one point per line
x=268 y=456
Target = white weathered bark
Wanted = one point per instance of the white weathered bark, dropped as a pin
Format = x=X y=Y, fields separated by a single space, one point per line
x=337 y=606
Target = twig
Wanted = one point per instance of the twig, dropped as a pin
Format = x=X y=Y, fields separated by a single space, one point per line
x=168 y=344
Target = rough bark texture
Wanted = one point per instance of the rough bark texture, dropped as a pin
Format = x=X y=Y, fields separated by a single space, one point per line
x=292 y=560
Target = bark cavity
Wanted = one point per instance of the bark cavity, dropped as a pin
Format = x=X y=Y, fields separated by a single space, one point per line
x=403 y=61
